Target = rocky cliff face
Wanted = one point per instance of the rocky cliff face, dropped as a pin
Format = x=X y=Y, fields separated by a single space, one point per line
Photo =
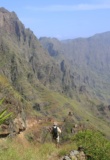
x=92 y=52
x=25 y=56
x=88 y=59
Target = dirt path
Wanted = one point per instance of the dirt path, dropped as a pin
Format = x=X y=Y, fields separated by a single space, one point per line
x=54 y=156
x=31 y=124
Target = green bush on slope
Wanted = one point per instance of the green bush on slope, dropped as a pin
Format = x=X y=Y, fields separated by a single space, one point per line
x=95 y=145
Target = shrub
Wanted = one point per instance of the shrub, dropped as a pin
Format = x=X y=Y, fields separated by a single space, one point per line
x=3 y=114
x=95 y=145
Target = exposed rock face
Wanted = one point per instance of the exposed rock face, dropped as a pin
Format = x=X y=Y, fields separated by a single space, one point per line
x=25 y=57
x=4 y=130
x=10 y=24
x=82 y=89
x=19 y=124
x=88 y=59
x=13 y=127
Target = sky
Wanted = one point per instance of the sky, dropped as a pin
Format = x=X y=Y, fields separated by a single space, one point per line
x=63 y=19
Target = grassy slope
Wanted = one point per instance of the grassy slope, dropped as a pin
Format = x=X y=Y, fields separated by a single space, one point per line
x=15 y=150
x=59 y=106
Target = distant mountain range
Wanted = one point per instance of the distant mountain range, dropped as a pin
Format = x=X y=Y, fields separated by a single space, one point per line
x=46 y=74
x=88 y=59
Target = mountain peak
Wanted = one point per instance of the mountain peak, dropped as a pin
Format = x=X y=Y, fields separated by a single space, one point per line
x=9 y=22
x=3 y=10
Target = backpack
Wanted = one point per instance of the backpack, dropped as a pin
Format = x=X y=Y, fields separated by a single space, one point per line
x=54 y=132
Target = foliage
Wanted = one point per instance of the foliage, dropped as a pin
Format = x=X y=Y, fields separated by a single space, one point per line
x=3 y=114
x=95 y=145
x=18 y=151
x=66 y=148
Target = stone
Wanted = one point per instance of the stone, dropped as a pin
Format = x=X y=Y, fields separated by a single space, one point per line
x=66 y=158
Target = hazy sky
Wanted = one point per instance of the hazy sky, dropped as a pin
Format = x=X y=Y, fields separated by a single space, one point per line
x=63 y=19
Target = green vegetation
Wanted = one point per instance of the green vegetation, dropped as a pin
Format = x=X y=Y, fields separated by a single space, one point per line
x=95 y=145
x=14 y=150
x=3 y=114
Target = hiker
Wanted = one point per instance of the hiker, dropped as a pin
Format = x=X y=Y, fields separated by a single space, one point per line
x=55 y=133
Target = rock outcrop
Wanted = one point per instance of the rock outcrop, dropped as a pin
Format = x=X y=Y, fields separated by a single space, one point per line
x=75 y=155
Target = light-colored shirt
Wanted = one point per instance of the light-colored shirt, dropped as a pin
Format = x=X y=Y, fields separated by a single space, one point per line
x=59 y=130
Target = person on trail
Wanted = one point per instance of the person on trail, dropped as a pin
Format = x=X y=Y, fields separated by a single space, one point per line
x=55 y=133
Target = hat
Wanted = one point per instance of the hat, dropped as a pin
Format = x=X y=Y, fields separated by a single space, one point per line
x=55 y=123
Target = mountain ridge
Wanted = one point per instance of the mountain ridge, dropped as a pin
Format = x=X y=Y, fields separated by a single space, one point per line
x=87 y=55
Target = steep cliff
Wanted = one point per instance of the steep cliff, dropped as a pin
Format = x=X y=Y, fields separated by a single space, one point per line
x=88 y=59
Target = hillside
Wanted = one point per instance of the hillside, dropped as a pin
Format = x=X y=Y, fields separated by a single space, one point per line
x=29 y=76
x=88 y=60
x=44 y=83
